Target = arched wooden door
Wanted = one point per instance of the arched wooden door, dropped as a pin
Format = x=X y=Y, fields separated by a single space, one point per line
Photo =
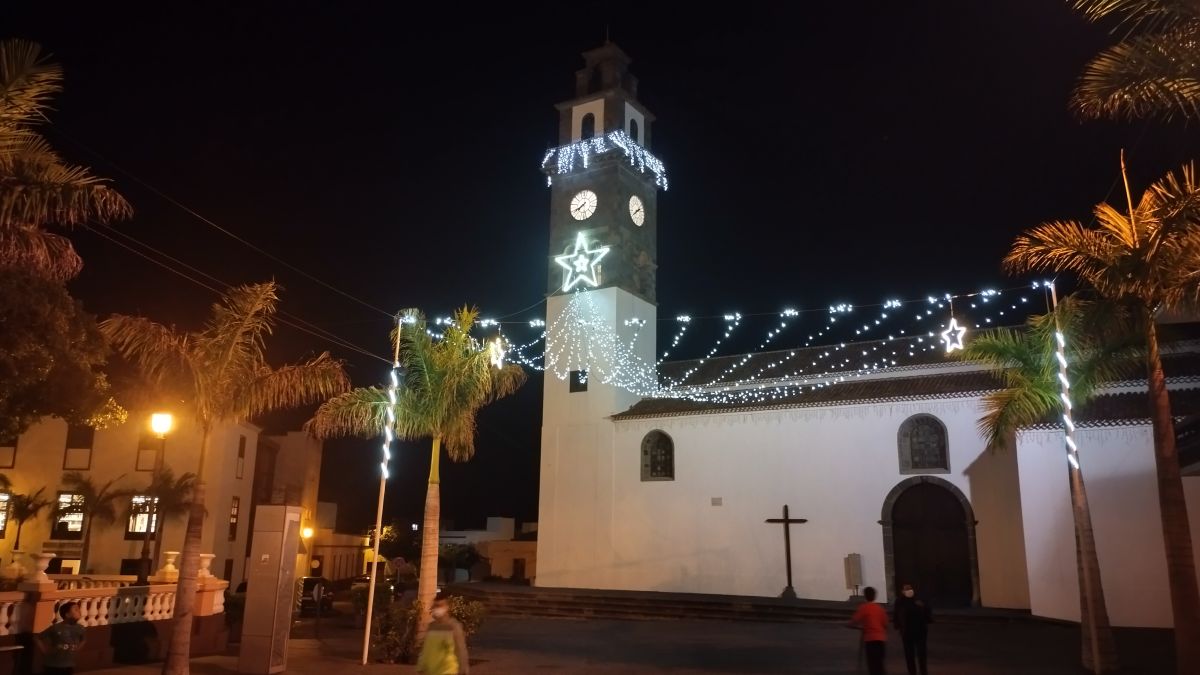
x=931 y=546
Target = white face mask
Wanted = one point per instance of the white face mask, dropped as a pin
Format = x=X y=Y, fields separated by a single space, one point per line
x=908 y=593
x=439 y=612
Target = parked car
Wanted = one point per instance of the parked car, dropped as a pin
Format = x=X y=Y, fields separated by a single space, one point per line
x=308 y=602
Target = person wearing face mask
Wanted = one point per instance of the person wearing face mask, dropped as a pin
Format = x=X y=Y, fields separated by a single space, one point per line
x=912 y=617
x=445 y=648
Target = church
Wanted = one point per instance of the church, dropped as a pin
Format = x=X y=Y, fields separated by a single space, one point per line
x=761 y=485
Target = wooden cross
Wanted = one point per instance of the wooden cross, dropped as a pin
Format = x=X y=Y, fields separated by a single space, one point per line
x=788 y=591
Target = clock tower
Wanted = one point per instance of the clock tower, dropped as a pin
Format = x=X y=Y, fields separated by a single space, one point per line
x=600 y=313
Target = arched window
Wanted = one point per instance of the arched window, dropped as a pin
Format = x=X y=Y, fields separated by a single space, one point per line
x=658 y=457
x=587 y=127
x=633 y=131
x=923 y=446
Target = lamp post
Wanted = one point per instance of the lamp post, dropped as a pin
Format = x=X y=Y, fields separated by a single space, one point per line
x=160 y=424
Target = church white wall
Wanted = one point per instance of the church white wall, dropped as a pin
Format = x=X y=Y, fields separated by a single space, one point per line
x=575 y=510
x=596 y=108
x=995 y=495
x=833 y=466
x=1118 y=469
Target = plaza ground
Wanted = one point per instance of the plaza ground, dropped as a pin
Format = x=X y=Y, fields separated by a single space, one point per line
x=512 y=646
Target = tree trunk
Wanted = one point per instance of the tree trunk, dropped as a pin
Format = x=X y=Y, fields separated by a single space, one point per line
x=1177 y=536
x=1099 y=647
x=87 y=543
x=427 y=585
x=159 y=526
x=17 y=543
x=180 y=646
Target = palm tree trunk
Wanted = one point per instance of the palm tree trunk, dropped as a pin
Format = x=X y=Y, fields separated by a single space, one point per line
x=427 y=585
x=17 y=543
x=180 y=646
x=1177 y=536
x=158 y=543
x=87 y=543
x=1099 y=647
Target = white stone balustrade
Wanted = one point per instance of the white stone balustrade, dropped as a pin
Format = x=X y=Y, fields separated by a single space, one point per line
x=12 y=613
x=103 y=599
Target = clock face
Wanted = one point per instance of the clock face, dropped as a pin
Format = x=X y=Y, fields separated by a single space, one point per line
x=583 y=205
x=637 y=210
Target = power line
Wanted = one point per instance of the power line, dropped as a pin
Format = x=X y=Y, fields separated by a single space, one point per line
x=210 y=223
x=284 y=318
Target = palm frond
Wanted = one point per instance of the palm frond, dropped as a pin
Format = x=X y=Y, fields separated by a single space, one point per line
x=5 y=483
x=38 y=188
x=358 y=412
x=1144 y=76
x=28 y=80
x=288 y=387
x=234 y=338
x=1145 y=14
x=160 y=353
x=42 y=253
x=27 y=506
x=1060 y=245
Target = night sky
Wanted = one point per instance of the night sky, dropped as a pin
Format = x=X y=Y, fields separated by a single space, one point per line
x=818 y=153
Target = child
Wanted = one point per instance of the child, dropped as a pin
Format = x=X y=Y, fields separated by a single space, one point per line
x=60 y=641
x=873 y=621
x=445 y=648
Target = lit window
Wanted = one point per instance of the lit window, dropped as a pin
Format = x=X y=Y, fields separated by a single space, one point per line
x=141 y=516
x=69 y=524
x=4 y=501
x=234 y=507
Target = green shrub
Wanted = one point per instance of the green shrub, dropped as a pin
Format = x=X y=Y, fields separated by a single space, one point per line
x=394 y=628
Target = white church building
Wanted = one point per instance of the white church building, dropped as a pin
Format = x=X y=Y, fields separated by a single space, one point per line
x=644 y=488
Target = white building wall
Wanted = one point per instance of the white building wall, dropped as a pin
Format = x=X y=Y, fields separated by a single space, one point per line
x=39 y=463
x=575 y=506
x=604 y=528
x=1118 y=469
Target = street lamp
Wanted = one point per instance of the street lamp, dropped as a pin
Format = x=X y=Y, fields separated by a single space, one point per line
x=160 y=424
x=307 y=533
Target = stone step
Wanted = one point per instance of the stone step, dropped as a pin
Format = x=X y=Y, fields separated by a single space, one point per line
x=504 y=600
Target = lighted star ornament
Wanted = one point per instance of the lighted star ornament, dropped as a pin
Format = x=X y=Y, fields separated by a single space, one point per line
x=582 y=265
x=953 y=335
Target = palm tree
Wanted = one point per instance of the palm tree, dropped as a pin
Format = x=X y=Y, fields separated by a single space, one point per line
x=173 y=499
x=37 y=187
x=24 y=508
x=447 y=381
x=1149 y=258
x=1026 y=362
x=1154 y=71
x=5 y=483
x=97 y=504
x=223 y=369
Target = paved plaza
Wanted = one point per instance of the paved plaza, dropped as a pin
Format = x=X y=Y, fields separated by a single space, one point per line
x=536 y=645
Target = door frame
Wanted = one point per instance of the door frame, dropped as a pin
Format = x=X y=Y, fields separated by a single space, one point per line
x=889 y=557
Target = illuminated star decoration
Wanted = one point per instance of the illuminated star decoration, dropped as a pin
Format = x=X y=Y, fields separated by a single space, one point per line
x=953 y=335
x=582 y=264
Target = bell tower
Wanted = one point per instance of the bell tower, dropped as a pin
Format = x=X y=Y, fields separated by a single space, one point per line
x=600 y=314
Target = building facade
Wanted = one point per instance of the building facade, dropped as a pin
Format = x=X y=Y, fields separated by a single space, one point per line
x=640 y=492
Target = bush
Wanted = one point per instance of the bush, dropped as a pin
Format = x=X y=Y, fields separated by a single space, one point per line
x=394 y=628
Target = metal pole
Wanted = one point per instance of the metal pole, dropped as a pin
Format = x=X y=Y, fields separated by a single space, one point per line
x=1073 y=473
x=374 y=570
x=388 y=435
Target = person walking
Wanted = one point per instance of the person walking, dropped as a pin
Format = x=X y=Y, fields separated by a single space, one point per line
x=445 y=648
x=872 y=620
x=61 y=641
x=912 y=617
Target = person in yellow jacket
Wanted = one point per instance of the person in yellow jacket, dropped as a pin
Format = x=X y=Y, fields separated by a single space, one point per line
x=445 y=648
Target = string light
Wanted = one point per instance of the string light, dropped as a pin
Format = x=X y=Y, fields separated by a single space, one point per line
x=581 y=152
